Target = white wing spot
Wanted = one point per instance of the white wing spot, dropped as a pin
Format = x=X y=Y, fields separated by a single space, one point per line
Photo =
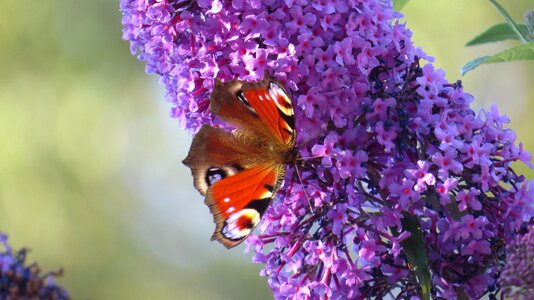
x=267 y=194
x=226 y=200
x=230 y=209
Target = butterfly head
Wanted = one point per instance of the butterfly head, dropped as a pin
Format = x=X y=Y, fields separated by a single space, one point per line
x=291 y=156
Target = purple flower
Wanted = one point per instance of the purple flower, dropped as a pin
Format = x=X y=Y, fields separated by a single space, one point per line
x=381 y=108
x=447 y=162
x=351 y=165
x=517 y=276
x=338 y=216
x=431 y=81
x=394 y=273
x=404 y=193
x=444 y=189
x=324 y=58
x=368 y=57
x=448 y=136
x=19 y=280
x=422 y=175
x=343 y=51
x=494 y=117
x=468 y=227
x=477 y=152
x=399 y=141
x=468 y=199
x=477 y=247
x=385 y=136
x=327 y=149
x=301 y=22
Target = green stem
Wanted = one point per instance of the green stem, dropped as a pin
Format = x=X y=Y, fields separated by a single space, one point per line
x=509 y=21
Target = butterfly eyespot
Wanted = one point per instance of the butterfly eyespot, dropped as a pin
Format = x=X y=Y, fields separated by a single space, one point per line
x=241 y=97
x=213 y=175
x=282 y=101
x=240 y=224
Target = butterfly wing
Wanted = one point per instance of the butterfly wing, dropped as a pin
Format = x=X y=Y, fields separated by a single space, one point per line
x=238 y=183
x=263 y=107
x=226 y=103
x=216 y=154
x=238 y=202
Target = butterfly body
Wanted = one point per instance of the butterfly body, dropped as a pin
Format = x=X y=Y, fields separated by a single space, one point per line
x=239 y=171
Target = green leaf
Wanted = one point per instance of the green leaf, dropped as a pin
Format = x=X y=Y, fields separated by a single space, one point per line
x=509 y=21
x=497 y=33
x=521 y=52
x=415 y=249
x=399 y=4
x=473 y=64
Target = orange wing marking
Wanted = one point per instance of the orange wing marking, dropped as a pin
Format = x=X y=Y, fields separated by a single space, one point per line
x=274 y=109
x=234 y=193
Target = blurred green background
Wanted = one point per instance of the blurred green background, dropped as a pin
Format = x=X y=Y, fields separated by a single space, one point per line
x=90 y=172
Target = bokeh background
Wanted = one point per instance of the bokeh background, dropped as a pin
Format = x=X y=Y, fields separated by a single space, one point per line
x=90 y=172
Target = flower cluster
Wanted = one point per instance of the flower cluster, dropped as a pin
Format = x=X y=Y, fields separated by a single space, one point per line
x=398 y=142
x=21 y=281
x=517 y=277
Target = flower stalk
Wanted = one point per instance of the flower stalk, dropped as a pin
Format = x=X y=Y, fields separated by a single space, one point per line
x=414 y=193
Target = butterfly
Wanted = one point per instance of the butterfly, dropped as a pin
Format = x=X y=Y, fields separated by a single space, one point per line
x=240 y=171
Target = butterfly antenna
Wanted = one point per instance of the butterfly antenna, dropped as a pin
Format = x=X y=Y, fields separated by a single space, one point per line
x=304 y=188
x=317 y=156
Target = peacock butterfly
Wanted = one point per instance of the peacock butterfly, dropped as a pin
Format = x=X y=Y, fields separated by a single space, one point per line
x=240 y=171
